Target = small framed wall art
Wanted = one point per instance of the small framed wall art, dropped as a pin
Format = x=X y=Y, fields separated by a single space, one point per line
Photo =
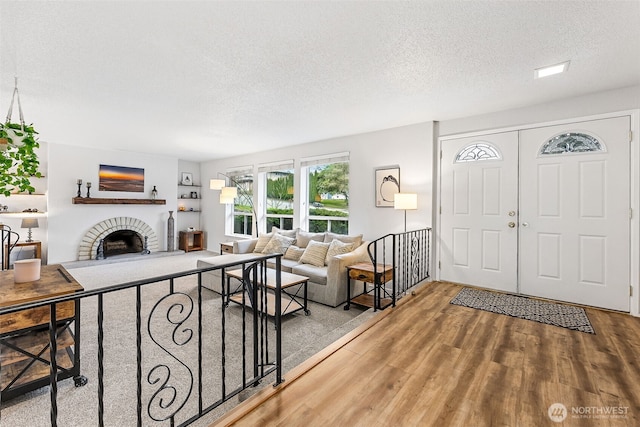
x=187 y=178
x=387 y=184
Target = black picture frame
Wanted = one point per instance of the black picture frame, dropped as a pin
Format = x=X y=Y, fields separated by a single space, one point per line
x=387 y=184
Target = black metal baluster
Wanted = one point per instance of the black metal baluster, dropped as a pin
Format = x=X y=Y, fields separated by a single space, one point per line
x=256 y=312
x=223 y=349
x=139 y=353
x=171 y=291
x=1 y=368
x=100 y=361
x=264 y=319
x=428 y=252
x=278 y=321
x=244 y=333
x=200 y=403
x=53 y=364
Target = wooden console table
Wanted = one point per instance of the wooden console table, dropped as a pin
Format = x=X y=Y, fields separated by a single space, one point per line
x=287 y=280
x=24 y=335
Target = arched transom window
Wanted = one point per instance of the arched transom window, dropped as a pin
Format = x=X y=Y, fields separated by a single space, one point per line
x=572 y=142
x=477 y=152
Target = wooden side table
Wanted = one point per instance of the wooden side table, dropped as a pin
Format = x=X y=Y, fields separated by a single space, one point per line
x=226 y=248
x=378 y=276
x=191 y=241
x=37 y=244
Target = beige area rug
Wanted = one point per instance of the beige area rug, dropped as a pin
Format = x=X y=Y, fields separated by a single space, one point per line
x=303 y=336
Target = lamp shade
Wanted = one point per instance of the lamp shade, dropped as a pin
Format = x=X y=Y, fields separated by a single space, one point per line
x=29 y=223
x=226 y=200
x=227 y=192
x=405 y=201
x=216 y=184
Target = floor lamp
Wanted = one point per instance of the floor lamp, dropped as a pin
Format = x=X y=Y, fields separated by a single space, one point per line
x=229 y=193
x=405 y=201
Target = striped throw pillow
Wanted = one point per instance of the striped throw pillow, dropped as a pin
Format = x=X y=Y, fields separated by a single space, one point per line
x=337 y=247
x=315 y=253
x=278 y=244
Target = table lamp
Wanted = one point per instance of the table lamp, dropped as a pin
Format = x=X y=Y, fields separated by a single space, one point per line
x=29 y=223
x=405 y=201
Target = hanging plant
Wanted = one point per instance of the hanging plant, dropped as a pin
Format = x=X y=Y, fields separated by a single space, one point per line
x=18 y=159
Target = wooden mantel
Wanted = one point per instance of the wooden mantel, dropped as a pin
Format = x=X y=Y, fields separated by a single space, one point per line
x=105 y=201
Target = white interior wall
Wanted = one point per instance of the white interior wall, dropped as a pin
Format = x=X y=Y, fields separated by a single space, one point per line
x=67 y=223
x=409 y=147
x=596 y=103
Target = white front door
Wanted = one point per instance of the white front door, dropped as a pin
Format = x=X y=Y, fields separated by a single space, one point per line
x=479 y=202
x=574 y=213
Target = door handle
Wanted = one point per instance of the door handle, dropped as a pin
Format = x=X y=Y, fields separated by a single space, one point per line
x=525 y=224
x=512 y=224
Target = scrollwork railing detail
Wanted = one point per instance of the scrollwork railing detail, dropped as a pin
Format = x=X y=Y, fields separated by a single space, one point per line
x=170 y=314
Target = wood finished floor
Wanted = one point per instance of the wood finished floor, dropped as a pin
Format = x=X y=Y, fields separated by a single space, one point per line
x=431 y=363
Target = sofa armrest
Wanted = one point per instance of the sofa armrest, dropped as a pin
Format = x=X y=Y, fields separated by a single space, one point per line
x=244 y=246
x=357 y=255
x=337 y=270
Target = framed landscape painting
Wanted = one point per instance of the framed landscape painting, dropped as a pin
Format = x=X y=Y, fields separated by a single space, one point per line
x=387 y=184
x=120 y=178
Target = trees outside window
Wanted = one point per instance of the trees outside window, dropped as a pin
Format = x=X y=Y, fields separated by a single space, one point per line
x=279 y=199
x=328 y=192
x=243 y=211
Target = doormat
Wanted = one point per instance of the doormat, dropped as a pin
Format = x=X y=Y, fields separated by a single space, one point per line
x=564 y=316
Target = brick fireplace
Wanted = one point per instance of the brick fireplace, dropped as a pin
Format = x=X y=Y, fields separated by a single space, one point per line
x=89 y=244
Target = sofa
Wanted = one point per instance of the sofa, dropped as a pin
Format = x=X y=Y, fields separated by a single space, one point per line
x=322 y=257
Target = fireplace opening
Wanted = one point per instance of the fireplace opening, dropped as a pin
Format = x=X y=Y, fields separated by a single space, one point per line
x=122 y=242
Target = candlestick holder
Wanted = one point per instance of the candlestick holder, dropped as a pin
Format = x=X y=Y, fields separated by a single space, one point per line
x=88 y=190
x=79 y=188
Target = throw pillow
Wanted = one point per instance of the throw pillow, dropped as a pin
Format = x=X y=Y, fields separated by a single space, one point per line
x=356 y=240
x=288 y=233
x=263 y=240
x=293 y=253
x=303 y=238
x=337 y=247
x=278 y=244
x=315 y=253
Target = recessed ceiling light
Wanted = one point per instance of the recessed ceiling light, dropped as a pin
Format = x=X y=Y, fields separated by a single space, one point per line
x=551 y=70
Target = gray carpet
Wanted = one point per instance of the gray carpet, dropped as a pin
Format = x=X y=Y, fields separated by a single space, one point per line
x=302 y=335
x=562 y=315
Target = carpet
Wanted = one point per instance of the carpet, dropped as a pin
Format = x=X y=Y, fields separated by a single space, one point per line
x=562 y=315
x=302 y=336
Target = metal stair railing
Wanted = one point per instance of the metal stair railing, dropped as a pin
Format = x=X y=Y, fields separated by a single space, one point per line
x=409 y=255
x=177 y=348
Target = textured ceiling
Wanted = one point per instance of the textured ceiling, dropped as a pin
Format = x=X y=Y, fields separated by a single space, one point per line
x=204 y=80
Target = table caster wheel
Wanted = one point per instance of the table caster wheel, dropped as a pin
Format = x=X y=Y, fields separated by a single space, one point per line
x=80 y=380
